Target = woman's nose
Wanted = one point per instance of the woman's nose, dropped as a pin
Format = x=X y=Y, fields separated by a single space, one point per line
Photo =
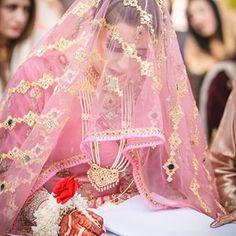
x=123 y=62
x=20 y=16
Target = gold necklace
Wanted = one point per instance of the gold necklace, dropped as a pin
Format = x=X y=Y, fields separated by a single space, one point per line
x=104 y=178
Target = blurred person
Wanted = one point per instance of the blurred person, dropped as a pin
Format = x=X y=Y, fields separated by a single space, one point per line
x=178 y=16
x=16 y=24
x=223 y=157
x=210 y=40
x=48 y=12
x=104 y=98
x=214 y=93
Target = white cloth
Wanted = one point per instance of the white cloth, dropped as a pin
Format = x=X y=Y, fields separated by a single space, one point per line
x=134 y=218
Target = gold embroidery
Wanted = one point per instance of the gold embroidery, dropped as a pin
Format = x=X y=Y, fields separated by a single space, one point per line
x=171 y=167
x=139 y=132
x=194 y=139
x=83 y=8
x=25 y=157
x=182 y=88
x=80 y=55
x=145 y=18
x=195 y=110
x=112 y=84
x=195 y=186
x=139 y=179
x=176 y=114
x=45 y=82
x=61 y=45
x=174 y=141
x=30 y=119
x=80 y=10
x=147 y=68
x=57 y=166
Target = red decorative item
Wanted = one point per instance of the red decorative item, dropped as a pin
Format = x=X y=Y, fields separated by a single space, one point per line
x=65 y=189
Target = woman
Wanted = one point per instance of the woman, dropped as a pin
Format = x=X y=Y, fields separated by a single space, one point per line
x=48 y=12
x=16 y=24
x=223 y=156
x=210 y=40
x=104 y=98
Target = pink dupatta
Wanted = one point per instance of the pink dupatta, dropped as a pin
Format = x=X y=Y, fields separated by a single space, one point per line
x=109 y=75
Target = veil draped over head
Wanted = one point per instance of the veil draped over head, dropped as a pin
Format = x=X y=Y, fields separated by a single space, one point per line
x=109 y=73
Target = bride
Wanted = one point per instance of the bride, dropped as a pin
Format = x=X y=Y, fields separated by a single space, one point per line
x=103 y=100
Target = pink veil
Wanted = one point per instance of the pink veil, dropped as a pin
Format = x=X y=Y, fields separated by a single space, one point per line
x=72 y=96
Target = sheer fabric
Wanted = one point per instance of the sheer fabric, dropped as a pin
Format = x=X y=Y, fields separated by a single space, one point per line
x=106 y=86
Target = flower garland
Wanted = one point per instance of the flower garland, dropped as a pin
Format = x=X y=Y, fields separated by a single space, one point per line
x=63 y=199
x=49 y=217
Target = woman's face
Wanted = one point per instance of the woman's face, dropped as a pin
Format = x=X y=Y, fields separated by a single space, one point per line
x=119 y=64
x=14 y=16
x=202 y=18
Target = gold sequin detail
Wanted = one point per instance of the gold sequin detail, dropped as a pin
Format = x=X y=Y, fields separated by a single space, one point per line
x=170 y=167
x=182 y=88
x=61 y=45
x=195 y=186
x=24 y=157
x=30 y=119
x=45 y=82
x=112 y=83
x=113 y=133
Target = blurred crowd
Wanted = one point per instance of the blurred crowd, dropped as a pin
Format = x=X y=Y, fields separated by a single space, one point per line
x=204 y=28
x=207 y=41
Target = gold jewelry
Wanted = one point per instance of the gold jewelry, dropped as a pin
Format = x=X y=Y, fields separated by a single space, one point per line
x=103 y=178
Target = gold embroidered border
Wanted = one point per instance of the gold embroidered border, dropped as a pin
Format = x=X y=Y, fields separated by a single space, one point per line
x=140 y=180
x=80 y=9
x=195 y=186
x=57 y=165
x=62 y=44
x=138 y=131
x=171 y=166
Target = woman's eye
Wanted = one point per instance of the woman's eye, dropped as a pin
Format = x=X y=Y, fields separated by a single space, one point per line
x=11 y=7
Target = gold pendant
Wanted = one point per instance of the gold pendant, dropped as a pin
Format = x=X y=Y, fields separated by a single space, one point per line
x=102 y=178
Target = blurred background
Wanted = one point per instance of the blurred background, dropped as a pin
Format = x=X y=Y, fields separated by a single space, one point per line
x=205 y=30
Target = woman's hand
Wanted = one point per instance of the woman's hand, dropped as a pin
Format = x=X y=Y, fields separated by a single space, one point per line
x=225 y=219
x=76 y=223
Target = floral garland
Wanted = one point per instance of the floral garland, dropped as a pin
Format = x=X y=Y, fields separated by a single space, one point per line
x=63 y=199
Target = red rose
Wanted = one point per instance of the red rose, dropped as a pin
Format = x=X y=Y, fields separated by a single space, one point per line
x=65 y=189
